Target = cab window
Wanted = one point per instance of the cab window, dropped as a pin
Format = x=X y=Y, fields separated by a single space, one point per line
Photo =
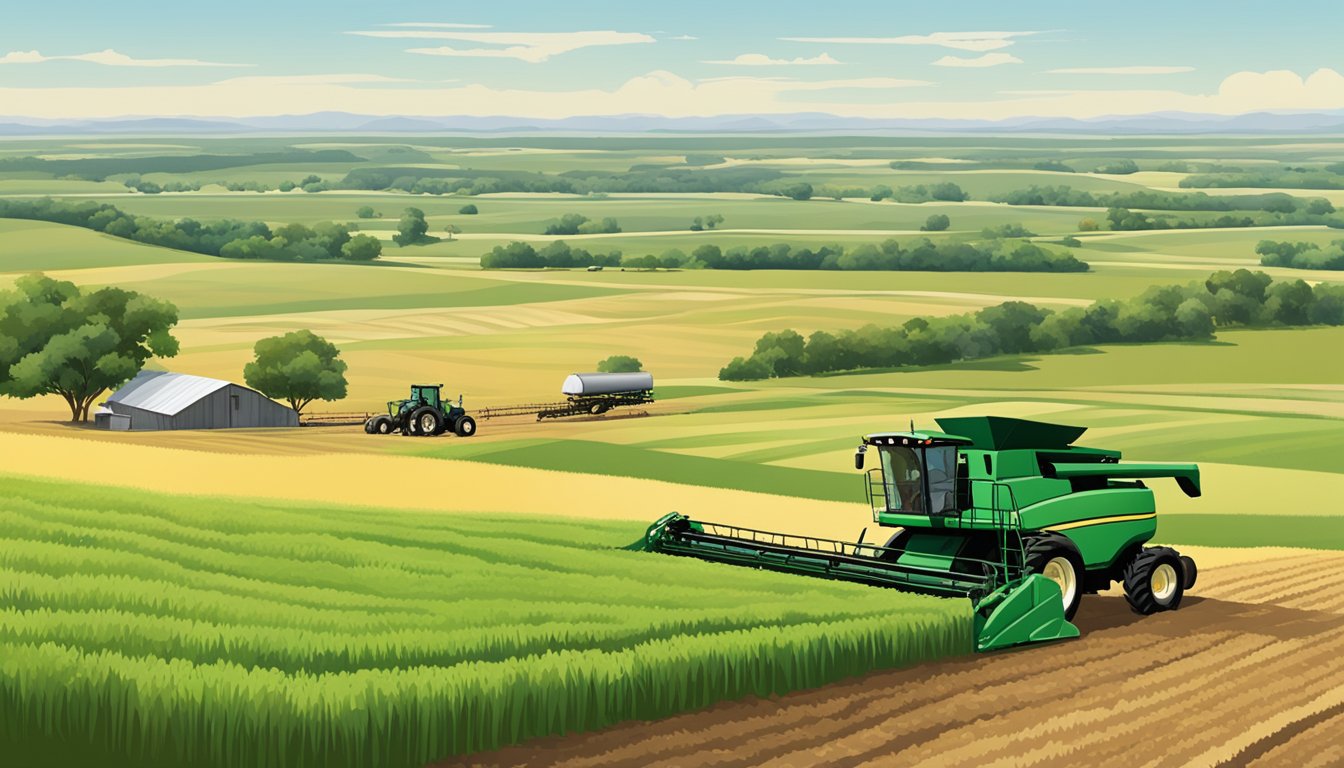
x=901 y=473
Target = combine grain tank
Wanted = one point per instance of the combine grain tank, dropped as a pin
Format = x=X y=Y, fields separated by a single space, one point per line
x=596 y=393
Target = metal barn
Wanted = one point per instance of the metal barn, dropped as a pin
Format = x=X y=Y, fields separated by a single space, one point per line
x=157 y=400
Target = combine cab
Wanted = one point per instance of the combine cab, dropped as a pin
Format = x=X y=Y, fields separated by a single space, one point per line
x=423 y=414
x=1005 y=512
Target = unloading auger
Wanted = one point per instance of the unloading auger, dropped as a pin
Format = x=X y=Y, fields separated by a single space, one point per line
x=1006 y=512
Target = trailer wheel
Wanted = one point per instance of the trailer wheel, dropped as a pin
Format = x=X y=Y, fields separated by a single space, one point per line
x=1154 y=580
x=1056 y=558
x=597 y=409
x=1189 y=572
x=465 y=427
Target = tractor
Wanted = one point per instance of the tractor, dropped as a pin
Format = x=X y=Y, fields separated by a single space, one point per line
x=1007 y=512
x=423 y=414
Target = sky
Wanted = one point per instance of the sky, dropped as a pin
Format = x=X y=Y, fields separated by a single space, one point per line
x=892 y=59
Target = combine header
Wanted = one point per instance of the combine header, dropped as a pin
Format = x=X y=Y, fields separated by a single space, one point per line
x=1005 y=512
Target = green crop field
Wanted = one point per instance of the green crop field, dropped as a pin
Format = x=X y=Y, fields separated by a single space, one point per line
x=134 y=625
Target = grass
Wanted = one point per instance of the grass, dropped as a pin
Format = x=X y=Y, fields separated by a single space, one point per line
x=629 y=461
x=1312 y=531
x=135 y=625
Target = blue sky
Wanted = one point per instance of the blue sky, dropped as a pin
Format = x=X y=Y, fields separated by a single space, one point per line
x=548 y=59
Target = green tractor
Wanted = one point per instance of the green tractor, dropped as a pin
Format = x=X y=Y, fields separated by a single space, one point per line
x=1006 y=512
x=423 y=414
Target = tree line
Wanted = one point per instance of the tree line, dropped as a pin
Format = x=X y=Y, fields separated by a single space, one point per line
x=1190 y=312
x=1329 y=177
x=229 y=238
x=1301 y=255
x=1064 y=195
x=923 y=255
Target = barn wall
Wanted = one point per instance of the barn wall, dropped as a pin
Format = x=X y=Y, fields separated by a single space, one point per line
x=256 y=410
x=216 y=411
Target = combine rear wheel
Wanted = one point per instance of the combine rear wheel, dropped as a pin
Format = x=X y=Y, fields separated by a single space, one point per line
x=1155 y=580
x=1056 y=558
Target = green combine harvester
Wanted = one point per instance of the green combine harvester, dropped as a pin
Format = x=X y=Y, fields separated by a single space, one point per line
x=1006 y=512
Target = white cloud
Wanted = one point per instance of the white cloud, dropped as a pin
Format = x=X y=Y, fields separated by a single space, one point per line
x=987 y=60
x=437 y=25
x=961 y=41
x=1135 y=70
x=657 y=93
x=531 y=47
x=684 y=37
x=762 y=60
x=108 y=58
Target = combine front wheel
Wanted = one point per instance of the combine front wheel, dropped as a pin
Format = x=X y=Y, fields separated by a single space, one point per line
x=1056 y=558
x=1155 y=580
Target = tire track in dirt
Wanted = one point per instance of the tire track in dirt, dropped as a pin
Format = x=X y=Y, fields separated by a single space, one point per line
x=1248 y=672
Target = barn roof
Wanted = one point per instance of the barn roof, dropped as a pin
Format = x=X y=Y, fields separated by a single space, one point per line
x=165 y=392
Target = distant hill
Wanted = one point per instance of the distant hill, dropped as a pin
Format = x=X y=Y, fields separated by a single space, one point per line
x=344 y=122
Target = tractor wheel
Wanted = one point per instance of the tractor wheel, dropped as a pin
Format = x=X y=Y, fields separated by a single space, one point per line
x=382 y=425
x=427 y=422
x=465 y=427
x=1056 y=558
x=368 y=427
x=1189 y=573
x=1153 y=581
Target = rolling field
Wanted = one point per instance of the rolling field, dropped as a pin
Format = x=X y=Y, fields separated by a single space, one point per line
x=324 y=590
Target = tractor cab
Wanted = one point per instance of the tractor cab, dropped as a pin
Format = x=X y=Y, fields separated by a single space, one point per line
x=917 y=472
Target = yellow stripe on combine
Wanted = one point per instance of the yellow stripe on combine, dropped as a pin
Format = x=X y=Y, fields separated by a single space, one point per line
x=1100 y=520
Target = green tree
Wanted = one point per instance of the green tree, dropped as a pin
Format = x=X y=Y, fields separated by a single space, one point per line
x=366 y=212
x=938 y=222
x=362 y=248
x=412 y=228
x=713 y=220
x=468 y=210
x=620 y=364
x=566 y=225
x=452 y=229
x=298 y=367
x=56 y=340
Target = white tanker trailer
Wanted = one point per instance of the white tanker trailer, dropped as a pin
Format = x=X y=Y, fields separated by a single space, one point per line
x=597 y=393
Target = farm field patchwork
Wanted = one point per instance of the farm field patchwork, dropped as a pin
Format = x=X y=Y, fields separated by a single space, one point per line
x=304 y=582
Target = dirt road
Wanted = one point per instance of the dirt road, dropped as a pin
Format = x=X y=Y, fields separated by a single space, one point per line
x=1250 y=671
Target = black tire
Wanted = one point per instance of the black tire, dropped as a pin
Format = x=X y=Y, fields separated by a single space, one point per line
x=1189 y=572
x=1057 y=558
x=368 y=427
x=427 y=421
x=1153 y=581
x=465 y=427
x=597 y=409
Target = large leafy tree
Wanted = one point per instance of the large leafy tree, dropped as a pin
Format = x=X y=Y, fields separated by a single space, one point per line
x=298 y=367
x=55 y=339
